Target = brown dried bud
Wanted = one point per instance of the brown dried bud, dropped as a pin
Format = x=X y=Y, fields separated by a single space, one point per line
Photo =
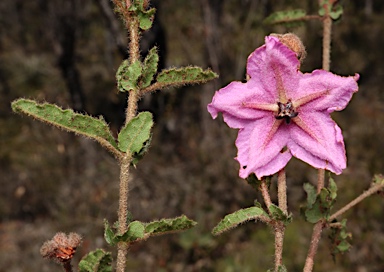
x=62 y=247
x=294 y=43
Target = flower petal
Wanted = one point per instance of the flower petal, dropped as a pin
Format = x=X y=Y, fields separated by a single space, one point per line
x=325 y=91
x=230 y=101
x=260 y=147
x=276 y=67
x=323 y=149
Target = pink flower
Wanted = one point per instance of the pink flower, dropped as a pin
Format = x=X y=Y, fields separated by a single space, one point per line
x=281 y=112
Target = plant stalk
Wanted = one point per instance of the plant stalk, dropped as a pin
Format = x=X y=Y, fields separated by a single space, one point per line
x=125 y=162
x=280 y=227
x=318 y=227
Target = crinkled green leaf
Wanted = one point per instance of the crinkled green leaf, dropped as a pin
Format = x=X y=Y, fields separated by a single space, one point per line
x=319 y=205
x=136 y=133
x=186 y=75
x=95 y=128
x=311 y=194
x=136 y=157
x=96 y=261
x=135 y=232
x=109 y=234
x=128 y=75
x=334 y=10
x=145 y=16
x=164 y=226
x=232 y=220
x=332 y=187
x=149 y=67
x=340 y=238
x=290 y=18
x=279 y=215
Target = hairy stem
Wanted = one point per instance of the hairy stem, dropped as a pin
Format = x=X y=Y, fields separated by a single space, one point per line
x=280 y=228
x=282 y=191
x=374 y=189
x=279 y=241
x=327 y=31
x=316 y=235
x=265 y=194
x=318 y=227
x=320 y=180
x=125 y=162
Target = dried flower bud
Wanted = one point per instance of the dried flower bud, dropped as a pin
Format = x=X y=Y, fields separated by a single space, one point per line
x=294 y=43
x=62 y=247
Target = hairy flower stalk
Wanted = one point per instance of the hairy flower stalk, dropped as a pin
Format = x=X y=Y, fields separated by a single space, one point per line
x=281 y=112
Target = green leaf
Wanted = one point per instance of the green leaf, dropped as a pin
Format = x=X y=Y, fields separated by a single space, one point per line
x=94 y=128
x=136 y=133
x=149 y=67
x=311 y=194
x=128 y=75
x=290 y=18
x=96 y=261
x=253 y=181
x=136 y=157
x=340 y=238
x=319 y=205
x=135 y=232
x=145 y=16
x=109 y=234
x=334 y=10
x=279 y=215
x=332 y=187
x=164 y=226
x=232 y=220
x=183 y=76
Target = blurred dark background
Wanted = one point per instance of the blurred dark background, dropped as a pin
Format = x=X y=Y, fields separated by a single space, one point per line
x=67 y=52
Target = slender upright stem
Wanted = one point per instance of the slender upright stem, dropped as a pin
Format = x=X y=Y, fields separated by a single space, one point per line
x=125 y=162
x=122 y=247
x=316 y=235
x=318 y=227
x=327 y=31
x=282 y=190
x=265 y=194
x=280 y=227
x=320 y=180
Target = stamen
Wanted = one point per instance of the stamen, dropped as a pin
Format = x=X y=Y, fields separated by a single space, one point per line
x=286 y=111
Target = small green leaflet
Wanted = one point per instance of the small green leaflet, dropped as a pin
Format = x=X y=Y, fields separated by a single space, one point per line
x=185 y=75
x=128 y=75
x=96 y=261
x=169 y=225
x=149 y=68
x=232 y=220
x=136 y=133
x=138 y=231
x=290 y=18
x=145 y=16
x=95 y=128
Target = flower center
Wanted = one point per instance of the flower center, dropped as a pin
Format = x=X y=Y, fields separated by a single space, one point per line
x=286 y=111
